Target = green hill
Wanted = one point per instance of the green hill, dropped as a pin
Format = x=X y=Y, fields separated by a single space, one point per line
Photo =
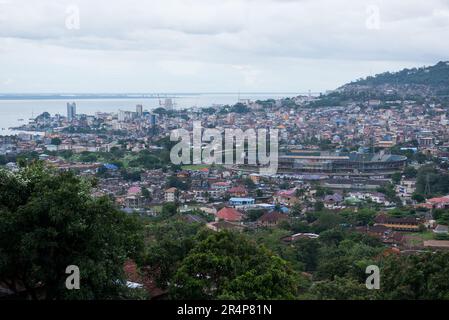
x=424 y=81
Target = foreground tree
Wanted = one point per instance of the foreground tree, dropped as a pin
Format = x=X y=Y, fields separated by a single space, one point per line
x=49 y=221
x=422 y=276
x=227 y=265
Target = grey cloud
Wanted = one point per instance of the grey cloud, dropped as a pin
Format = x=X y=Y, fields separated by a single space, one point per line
x=197 y=36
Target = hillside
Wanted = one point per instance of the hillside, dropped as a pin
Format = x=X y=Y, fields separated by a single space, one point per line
x=424 y=81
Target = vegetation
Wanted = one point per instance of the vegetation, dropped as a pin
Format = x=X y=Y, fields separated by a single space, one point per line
x=436 y=76
x=49 y=221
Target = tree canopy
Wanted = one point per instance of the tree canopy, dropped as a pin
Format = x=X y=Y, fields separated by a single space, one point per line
x=49 y=221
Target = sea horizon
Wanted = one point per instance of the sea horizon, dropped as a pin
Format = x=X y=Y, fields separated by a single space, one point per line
x=16 y=109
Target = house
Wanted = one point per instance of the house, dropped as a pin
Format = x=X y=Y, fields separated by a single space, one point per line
x=383 y=233
x=437 y=244
x=298 y=236
x=441 y=229
x=193 y=218
x=203 y=195
x=333 y=201
x=224 y=225
x=374 y=197
x=255 y=178
x=171 y=195
x=271 y=219
x=229 y=214
x=398 y=224
x=238 y=192
x=133 y=191
x=378 y=231
x=242 y=202
x=221 y=186
x=134 y=202
x=110 y=166
x=406 y=188
x=286 y=197
x=141 y=279
x=439 y=203
x=183 y=174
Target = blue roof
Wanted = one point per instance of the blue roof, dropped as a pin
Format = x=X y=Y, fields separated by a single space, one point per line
x=241 y=199
x=110 y=166
x=285 y=210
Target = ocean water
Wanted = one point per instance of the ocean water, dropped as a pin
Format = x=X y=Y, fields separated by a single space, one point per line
x=17 y=110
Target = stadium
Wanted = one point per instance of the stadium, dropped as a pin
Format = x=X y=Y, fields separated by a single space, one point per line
x=297 y=161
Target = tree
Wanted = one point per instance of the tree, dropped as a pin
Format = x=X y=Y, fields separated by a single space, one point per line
x=318 y=206
x=341 y=289
x=430 y=181
x=396 y=177
x=226 y=265
x=410 y=172
x=169 y=209
x=254 y=214
x=175 y=182
x=418 y=197
x=422 y=276
x=308 y=253
x=56 y=141
x=146 y=194
x=240 y=108
x=49 y=221
x=169 y=242
x=296 y=210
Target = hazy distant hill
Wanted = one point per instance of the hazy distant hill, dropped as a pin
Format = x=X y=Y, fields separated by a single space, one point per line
x=425 y=81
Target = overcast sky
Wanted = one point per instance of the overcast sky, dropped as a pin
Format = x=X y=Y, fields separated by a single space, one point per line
x=213 y=45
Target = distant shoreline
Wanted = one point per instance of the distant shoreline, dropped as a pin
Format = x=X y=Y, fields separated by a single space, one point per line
x=99 y=96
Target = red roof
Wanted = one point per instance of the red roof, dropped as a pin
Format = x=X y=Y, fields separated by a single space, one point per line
x=134 y=190
x=273 y=217
x=229 y=214
x=439 y=200
x=132 y=274
x=238 y=189
x=286 y=193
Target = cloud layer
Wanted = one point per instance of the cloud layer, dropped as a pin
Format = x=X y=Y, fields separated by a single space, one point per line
x=213 y=45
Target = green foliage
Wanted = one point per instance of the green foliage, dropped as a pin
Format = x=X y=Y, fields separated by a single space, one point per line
x=361 y=217
x=169 y=210
x=418 y=197
x=318 y=206
x=168 y=244
x=131 y=175
x=410 y=172
x=437 y=181
x=49 y=221
x=175 y=182
x=147 y=160
x=240 y=108
x=254 y=214
x=419 y=276
x=271 y=239
x=56 y=141
x=390 y=193
x=436 y=76
x=340 y=288
x=88 y=157
x=324 y=220
x=396 y=177
x=307 y=253
x=226 y=265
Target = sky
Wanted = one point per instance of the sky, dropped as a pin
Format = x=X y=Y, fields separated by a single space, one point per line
x=123 y=46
